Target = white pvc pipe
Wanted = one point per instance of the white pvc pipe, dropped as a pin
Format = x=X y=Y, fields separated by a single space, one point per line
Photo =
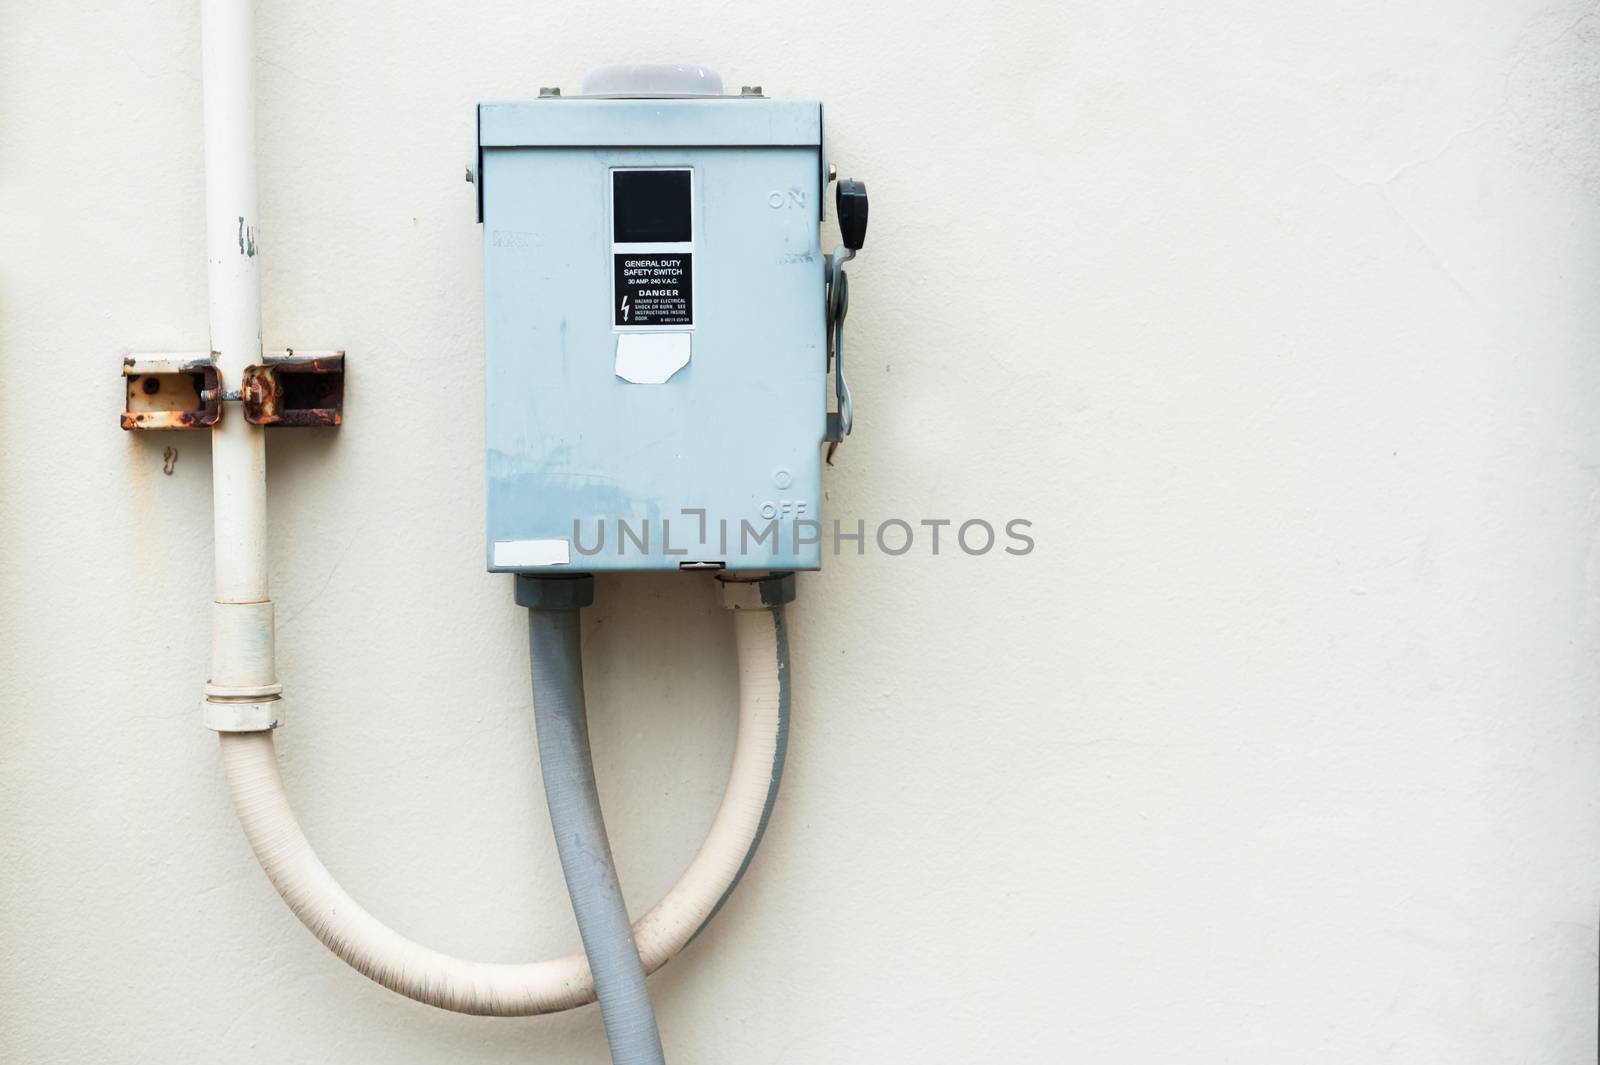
x=233 y=285
x=243 y=688
x=501 y=989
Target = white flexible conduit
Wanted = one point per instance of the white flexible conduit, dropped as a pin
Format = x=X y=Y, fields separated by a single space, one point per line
x=513 y=990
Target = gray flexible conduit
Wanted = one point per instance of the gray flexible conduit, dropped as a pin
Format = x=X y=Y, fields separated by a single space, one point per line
x=580 y=830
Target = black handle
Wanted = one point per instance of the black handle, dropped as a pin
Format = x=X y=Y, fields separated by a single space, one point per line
x=851 y=201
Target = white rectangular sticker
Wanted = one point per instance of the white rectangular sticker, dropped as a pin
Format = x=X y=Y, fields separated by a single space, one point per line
x=532 y=552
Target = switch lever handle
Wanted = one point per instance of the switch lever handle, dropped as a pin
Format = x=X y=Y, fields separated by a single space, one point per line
x=851 y=202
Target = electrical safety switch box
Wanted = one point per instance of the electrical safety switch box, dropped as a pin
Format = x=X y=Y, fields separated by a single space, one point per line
x=655 y=332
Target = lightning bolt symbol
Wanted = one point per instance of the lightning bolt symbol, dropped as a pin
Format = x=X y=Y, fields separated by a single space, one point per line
x=624 y=307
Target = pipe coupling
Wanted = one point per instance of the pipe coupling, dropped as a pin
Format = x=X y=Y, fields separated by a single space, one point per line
x=242 y=693
x=221 y=714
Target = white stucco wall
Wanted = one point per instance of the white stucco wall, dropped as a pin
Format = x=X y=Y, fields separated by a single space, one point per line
x=1279 y=321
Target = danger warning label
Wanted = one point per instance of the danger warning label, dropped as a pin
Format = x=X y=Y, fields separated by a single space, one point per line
x=654 y=289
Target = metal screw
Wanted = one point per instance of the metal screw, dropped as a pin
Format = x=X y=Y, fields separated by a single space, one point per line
x=833 y=173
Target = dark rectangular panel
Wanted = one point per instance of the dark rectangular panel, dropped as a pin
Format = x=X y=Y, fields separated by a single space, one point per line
x=649 y=206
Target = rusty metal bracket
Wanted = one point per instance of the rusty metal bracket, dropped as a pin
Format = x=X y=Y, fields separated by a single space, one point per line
x=294 y=391
x=168 y=391
x=184 y=391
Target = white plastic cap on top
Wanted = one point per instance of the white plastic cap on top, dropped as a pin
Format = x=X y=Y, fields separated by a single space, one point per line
x=652 y=80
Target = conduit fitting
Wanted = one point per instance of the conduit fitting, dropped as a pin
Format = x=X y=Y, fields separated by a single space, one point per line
x=756 y=591
x=555 y=591
x=225 y=715
x=242 y=694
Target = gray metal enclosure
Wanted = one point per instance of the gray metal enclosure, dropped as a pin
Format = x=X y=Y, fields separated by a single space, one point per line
x=677 y=387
